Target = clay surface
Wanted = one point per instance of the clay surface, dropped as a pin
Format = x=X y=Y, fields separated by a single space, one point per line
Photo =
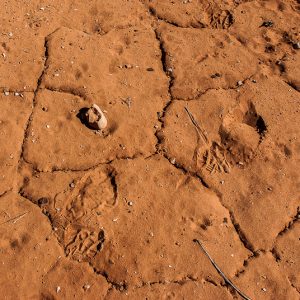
x=197 y=139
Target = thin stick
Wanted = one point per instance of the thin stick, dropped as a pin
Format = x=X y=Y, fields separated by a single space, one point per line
x=198 y=128
x=16 y=219
x=220 y=272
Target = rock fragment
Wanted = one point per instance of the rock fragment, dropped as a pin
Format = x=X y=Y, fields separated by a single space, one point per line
x=96 y=118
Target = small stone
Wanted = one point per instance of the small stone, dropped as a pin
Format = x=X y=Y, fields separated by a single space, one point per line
x=150 y=69
x=96 y=118
x=72 y=185
x=130 y=203
x=240 y=83
x=47 y=126
x=58 y=289
x=86 y=287
x=173 y=161
x=17 y=94
x=264 y=289
x=10 y=34
x=6 y=93
x=222 y=181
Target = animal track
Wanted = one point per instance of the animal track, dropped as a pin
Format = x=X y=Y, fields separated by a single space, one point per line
x=211 y=154
x=76 y=212
x=81 y=243
x=241 y=132
x=221 y=19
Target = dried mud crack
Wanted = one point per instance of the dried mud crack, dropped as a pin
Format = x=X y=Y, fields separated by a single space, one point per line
x=201 y=144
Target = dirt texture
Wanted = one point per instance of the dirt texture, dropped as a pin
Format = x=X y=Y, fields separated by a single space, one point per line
x=192 y=189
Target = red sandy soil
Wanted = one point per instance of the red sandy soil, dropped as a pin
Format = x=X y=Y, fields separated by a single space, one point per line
x=202 y=102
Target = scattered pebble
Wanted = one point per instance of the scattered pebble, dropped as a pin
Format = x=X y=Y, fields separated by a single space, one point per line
x=264 y=289
x=96 y=118
x=47 y=126
x=222 y=181
x=173 y=161
x=6 y=93
x=130 y=203
x=58 y=289
x=86 y=287
x=240 y=83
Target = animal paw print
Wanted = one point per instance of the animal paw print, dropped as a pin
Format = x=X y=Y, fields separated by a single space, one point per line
x=221 y=19
x=83 y=244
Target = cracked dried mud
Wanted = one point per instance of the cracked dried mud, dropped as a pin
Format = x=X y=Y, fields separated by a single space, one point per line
x=202 y=142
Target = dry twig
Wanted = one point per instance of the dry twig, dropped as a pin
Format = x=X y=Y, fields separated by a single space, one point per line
x=220 y=272
x=15 y=219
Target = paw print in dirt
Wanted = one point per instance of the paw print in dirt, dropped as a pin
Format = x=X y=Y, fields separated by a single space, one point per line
x=81 y=243
x=78 y=209
x=242 y=131
x=228 y=136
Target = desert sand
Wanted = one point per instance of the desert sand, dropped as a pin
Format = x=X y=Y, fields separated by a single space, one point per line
x=202 y=143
